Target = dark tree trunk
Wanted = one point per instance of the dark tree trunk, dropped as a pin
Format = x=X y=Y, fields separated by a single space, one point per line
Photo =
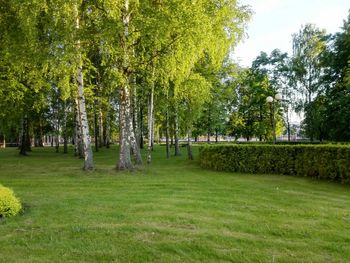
x=288 y=130
x=38 y=140
x=260 y=120
x=57 y=144
x=209 y=126
x=25 y=138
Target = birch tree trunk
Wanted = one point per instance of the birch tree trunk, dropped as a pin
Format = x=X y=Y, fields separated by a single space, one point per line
x=189 y=144
x=153 y=132
x=57 y=129
x=134 y=145
x=88 y=157
x=124 y=162
x=177 y=145
x=127 y=134
x=141 y=127
x=101 y=128
x=167 y=135
x=65 y=136
x=106 y=134
x=96 y=127
x=150 y=125
x=135 y=110
x=87 y=151
x=134 y=139
x=78 y=149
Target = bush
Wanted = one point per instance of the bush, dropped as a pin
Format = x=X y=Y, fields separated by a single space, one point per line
x=9 y=204
x=320 y=161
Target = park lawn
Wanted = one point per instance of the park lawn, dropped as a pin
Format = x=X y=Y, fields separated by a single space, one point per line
x=171 y=211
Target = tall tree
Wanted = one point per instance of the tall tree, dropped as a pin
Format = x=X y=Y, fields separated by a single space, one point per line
x=308 y=45
x=337 y=79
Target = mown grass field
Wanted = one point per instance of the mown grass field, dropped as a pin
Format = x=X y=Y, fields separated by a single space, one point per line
x=171 y=211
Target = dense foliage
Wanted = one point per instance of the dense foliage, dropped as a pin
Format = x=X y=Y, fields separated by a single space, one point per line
x=9 y=203
x=321 y=161
x=127 y=69
x=136 y=72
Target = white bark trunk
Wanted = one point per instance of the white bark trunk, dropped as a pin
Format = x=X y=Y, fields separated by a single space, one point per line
x=127 y=134
x=189 y=144
x=78 y=141
x=124 y=162
x=134 y=124
x=134 y=145
x=101 y=130
x=167 y=133
x=88 y=157
x=177 y=145
x=135 y=108
x=150 y=125
x=107 y=127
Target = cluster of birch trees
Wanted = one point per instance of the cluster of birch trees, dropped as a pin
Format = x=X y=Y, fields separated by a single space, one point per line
x=126 y=68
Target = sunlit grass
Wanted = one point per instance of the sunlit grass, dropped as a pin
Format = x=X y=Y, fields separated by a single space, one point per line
x=171 y=211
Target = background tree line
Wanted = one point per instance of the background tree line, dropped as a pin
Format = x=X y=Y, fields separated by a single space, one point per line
x=313 y=81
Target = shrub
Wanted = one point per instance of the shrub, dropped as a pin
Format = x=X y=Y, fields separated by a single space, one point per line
x=9 y=204
x=320 y=161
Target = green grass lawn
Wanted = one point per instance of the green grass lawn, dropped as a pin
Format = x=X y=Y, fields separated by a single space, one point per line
x=171 y=211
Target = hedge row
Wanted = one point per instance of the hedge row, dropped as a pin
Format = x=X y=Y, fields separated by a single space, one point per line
x=9 y=204
x=320 y=161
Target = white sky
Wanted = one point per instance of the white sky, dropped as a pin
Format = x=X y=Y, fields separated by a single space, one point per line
x=274 y=22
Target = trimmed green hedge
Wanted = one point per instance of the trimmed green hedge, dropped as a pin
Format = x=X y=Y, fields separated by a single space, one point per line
x=320 y=161
x=9 y=204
